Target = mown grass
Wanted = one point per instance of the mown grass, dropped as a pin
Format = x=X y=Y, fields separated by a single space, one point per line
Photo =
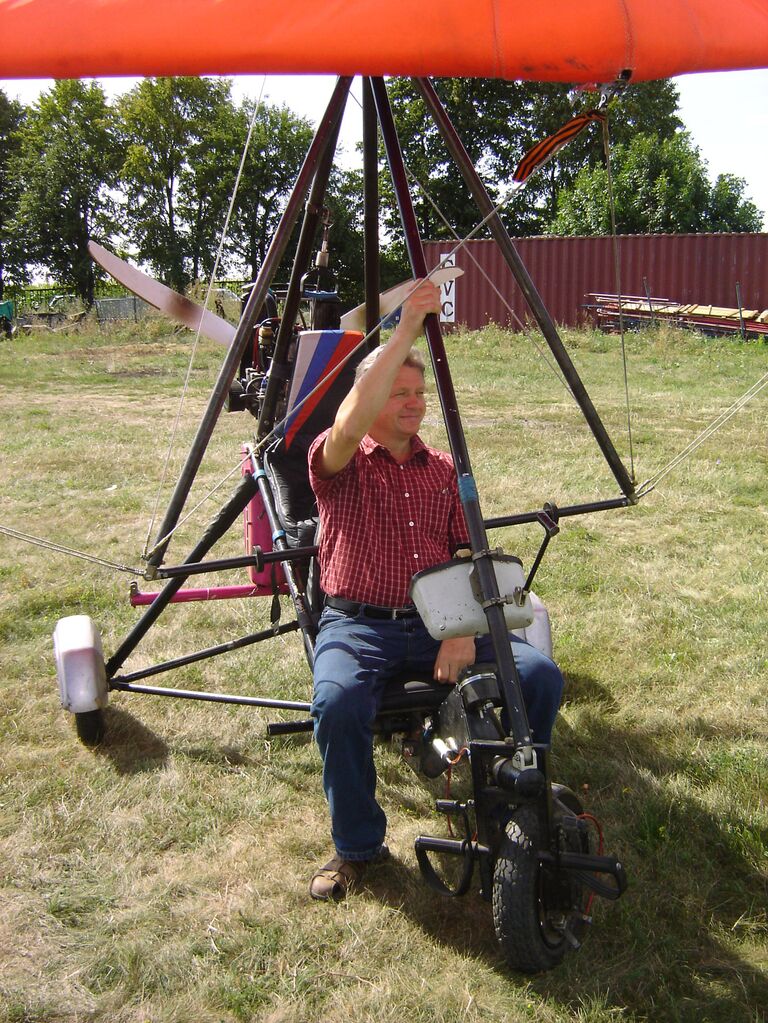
x=164 y=875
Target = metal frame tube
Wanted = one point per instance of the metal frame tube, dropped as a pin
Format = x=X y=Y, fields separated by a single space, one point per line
x=525 y=283
x=494 y=611
x=206 y=654
x=303 y=616
x=231 y=510
x=246 y=561
x=562 y=513
x=192 y=694
x=371 y=215
x=312 y=212
x=245 y=327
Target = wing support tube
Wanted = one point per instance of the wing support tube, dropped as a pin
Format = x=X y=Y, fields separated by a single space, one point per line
x=326 y=132
x=371 y=215
x=121 y=681
x=528 y=288
x=312 y=213
x=194 y=694
x=489 y=590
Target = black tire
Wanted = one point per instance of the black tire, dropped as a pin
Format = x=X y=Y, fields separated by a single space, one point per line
x=90 y=727
x=538 y=916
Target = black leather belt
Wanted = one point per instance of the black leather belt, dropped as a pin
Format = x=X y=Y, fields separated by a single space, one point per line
x=351 y=607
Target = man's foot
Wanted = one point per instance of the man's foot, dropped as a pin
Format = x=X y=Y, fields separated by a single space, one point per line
x=338 y=877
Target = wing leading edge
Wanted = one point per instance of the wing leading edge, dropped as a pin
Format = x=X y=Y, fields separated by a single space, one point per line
x=592 y=41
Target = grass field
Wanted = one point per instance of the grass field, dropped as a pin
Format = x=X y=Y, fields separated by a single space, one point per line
x=163 y=876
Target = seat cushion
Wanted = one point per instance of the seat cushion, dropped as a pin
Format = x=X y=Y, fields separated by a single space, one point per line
x=413 y=692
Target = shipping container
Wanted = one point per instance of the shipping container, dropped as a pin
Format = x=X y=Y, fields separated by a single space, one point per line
x=700 y=268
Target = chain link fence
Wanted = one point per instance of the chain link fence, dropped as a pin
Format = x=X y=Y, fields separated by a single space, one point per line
x=127 y=307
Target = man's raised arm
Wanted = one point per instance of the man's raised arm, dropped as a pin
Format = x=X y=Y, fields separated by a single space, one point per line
x=370 y=393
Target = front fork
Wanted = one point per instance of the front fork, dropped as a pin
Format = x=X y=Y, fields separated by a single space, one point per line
x=503 y=778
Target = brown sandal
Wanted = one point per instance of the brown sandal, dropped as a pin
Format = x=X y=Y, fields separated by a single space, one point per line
x=336 y=879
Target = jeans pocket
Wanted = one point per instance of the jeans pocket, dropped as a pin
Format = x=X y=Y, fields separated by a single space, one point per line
x=331 y=615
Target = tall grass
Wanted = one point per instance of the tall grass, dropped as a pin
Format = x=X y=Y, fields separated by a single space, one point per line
x=164 y=875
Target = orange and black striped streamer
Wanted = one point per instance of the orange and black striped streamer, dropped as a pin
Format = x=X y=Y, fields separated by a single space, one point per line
x=550 y=145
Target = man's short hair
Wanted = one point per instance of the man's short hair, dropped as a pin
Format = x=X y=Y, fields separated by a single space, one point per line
x=413 y=358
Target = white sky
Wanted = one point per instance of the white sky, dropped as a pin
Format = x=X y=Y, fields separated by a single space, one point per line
x=726 y=114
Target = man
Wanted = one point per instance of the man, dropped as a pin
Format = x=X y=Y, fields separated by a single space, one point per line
x=389 y=508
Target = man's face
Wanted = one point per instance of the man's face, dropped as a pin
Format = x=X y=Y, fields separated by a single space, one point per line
x=401 y=417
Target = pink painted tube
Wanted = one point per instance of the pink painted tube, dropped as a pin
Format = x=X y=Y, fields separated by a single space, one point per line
x=211 y=593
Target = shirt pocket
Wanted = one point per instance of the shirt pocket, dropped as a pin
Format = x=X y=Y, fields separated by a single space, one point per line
x=432 y=513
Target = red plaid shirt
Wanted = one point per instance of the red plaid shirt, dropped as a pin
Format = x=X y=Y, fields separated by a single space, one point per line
x=384 y=521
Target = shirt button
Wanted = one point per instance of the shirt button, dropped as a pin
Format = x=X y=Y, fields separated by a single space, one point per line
x=415 y=555
x=406 y=494
x=410 y=523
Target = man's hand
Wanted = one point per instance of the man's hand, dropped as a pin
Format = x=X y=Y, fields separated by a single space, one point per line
x=452 y=657
x=424 y=299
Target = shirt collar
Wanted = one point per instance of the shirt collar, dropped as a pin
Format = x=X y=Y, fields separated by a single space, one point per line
x=419 y=449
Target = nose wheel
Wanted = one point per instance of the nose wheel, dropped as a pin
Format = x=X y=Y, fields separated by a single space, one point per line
x=539 y=913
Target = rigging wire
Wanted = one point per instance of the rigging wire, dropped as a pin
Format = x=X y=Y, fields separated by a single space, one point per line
x=705 y=434
x=494 y=287
x=277 y=429
x=200 y=503
x=446 y=260
x=58 y=548
x=617 y=273
x=211 y=281
x=481 y=269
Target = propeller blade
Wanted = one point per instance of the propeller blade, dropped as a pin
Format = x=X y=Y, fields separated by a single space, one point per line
x=174 y=305
x=394 y=297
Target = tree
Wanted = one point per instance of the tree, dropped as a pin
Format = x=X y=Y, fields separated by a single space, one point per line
x=175 y=171
x=499 y=122
x=659 y=185
x=279 y=143
x=68 y=164
x=345 y=202
x=729 y=209
x=12 y=264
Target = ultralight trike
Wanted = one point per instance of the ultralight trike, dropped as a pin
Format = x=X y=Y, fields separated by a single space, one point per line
x=528 y=837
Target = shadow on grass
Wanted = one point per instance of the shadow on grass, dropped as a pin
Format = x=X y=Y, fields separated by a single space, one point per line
x=670 y=948
x=130 y=745
x=581 y=689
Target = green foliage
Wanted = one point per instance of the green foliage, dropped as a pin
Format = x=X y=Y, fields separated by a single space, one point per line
x=499 y=122
x=659 y=185
x=155 y=174
x=173 y=130
x=68 y=164
x=12 y=262
x=279 y=143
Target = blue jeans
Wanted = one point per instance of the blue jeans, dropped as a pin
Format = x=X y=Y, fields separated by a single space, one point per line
x=354 y=658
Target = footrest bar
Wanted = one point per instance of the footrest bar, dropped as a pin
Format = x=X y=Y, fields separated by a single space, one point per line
x=290 y=727
x=587 y=866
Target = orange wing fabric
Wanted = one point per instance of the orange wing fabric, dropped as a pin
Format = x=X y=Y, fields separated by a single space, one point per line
x=543 y=40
